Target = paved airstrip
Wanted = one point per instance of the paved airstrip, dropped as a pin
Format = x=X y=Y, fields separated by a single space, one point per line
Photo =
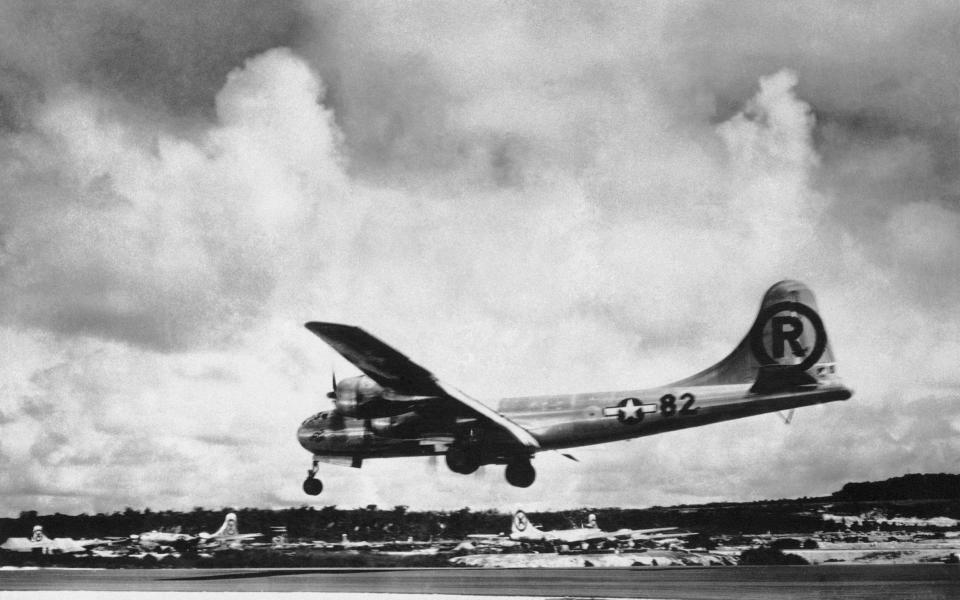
x=931 y=581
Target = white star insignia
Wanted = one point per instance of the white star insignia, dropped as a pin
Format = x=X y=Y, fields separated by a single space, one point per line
x=629 y=410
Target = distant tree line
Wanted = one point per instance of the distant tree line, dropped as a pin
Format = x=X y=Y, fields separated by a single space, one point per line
x=940 y=486
x=373 y=523
x=328 y=523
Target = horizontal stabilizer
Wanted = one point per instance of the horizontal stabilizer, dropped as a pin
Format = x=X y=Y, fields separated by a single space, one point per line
x=778 y=378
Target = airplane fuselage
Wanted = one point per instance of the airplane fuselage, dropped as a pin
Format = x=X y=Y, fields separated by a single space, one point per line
x=564 y=421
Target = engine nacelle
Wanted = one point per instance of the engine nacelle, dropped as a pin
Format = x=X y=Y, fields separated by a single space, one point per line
x=363 y=398
x=353 y=394
x=381 y=425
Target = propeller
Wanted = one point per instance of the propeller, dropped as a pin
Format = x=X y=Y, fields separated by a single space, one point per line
x=332 y=394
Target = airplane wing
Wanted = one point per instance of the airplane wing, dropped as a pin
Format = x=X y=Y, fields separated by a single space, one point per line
x=100 y=542
x=229 y=540
x=393 y=370
x=240 y=537
x=651 y=533
x=574 y=536
x=17 y=545
x=577 y=537
x=637 y=534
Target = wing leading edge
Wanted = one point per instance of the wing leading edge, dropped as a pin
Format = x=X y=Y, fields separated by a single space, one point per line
x=391 y=369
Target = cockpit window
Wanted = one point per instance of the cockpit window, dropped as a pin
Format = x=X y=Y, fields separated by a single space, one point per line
x=315 y=418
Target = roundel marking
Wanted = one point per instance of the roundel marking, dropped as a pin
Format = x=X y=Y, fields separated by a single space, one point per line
x=768 y=313
x=520 y=521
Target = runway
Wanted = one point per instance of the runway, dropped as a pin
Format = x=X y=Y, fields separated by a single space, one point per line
x=834 y=581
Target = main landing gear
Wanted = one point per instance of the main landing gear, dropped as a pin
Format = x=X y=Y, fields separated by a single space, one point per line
x=465 y=460
x=311 y=485
x=520 y=472
x=462 y=460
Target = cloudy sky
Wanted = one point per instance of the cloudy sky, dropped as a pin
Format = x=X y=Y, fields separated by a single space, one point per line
x=525 y=197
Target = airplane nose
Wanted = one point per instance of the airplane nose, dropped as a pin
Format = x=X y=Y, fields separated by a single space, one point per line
x=303 y=434
x=309 y=436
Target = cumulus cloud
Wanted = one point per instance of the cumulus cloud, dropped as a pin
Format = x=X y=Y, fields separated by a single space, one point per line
x=552 y=199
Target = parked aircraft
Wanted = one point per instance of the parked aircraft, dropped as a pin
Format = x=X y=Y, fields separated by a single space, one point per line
x=346 y=544
x=228 y=534
x=487 y=541
x=162 y=539
x=38 y=540
x=522 y=530
x=399 y=408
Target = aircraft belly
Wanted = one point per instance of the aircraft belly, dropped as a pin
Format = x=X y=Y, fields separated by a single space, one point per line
x=372 y=447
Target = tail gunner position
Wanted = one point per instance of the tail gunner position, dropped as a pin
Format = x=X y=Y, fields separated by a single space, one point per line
x=398 y=408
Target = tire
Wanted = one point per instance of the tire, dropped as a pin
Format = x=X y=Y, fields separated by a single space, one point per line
x=520 y=473
x=312 y=487
x=461 y=460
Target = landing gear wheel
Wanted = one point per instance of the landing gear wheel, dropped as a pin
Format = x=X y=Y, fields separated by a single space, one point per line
x=520 y=473
x=461 y=460
x=312 y=486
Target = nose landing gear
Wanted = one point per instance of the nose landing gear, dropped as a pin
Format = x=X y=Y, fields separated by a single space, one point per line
x=311 y=485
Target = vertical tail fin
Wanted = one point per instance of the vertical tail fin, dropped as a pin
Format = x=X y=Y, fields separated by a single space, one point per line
x=787 y=342
x=229 y=527
x=38 y=535
x=522 y=526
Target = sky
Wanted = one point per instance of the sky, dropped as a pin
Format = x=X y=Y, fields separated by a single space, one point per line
x=524 y=197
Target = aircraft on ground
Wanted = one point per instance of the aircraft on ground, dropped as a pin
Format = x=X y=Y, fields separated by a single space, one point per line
x=154 y=539
x=399 y=408
x=38 y=540
x=485 y=541
x=228 y=535
x=522 y=530
x=346 y=544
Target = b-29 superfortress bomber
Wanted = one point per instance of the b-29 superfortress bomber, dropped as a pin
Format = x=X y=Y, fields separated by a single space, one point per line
x=398 y=408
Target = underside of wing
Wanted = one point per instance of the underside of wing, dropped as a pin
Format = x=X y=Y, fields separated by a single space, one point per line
x=377 y=360
x=519 y=433
x=394 y=371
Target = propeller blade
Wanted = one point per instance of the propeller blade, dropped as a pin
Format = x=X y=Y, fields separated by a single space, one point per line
x=332 y=394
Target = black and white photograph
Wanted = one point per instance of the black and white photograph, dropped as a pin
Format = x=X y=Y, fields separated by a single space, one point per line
x=505 y=298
